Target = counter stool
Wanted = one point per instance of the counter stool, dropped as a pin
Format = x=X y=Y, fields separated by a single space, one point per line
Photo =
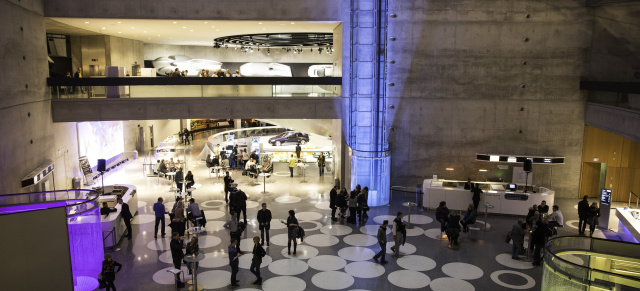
x=176 y=272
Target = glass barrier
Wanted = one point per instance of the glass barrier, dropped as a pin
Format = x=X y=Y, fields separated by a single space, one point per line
x=76 y=201
x=161 y=91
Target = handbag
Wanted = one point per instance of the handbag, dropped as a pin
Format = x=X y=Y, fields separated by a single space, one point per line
x=508 y=238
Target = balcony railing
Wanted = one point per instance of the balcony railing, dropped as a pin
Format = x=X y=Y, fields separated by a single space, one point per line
x=149 y=87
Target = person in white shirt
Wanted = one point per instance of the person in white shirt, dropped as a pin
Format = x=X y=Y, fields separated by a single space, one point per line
x=556 y=219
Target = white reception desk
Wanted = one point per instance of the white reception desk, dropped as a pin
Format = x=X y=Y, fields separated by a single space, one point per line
x=114 y=219
x=503 y=202
x=631 y=230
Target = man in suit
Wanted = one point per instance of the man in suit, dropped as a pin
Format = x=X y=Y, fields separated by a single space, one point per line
x=126 y=216
x=264 y=220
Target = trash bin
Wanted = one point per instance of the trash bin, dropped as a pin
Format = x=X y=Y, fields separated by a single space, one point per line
x=419 y=195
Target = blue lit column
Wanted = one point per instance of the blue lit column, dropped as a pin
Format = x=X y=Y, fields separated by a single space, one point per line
x=366 y=133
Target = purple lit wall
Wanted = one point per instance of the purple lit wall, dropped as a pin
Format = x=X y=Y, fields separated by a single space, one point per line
x=85 y=244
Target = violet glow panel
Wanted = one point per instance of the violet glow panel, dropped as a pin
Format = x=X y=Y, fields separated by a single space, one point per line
x=85 y=244
x=31 y=207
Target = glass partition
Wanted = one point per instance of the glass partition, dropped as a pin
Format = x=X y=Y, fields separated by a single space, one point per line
x=172 y=91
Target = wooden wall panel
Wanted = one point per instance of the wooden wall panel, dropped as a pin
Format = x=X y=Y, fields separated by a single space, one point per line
x=630 y=154
x=613 y=182
x=603 y=145
x=589 y=180
x=625 y=183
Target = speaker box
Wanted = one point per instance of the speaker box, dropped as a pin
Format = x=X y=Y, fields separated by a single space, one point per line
x=527 y=165
x=102 y=165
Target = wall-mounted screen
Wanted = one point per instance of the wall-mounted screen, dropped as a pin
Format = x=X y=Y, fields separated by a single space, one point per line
x=100 y=140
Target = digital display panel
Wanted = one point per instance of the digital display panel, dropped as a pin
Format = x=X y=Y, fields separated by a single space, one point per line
x=605 y=196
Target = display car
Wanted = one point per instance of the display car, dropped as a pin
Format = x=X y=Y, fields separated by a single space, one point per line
x=320 y=71
x=289 y=136
x=265 y=70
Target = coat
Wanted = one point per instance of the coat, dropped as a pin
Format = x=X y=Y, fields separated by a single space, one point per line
x=517 y=234
x=594 y=213
x=583 y=209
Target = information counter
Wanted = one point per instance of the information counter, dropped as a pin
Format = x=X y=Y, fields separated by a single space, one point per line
x=114 y=219
x=501 y=201
x=629 y=225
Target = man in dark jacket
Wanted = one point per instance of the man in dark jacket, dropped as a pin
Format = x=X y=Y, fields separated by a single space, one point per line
x=256 y=261
x=233 y=261
x=177 y=255
x=332 y=201
x=264 y=222
x=382 y=241
x=240 y=200
x=126 y=216
x=539 y=237
x=517 y=236
x=179 y=179
x=476 y=196
x=298 y=150
x=583 y=214
x=227 y=186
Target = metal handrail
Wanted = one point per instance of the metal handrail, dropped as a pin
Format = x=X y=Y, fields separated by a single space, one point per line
x=112 y=233
x=637 y=198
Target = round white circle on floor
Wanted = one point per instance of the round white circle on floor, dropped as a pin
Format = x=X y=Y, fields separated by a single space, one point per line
x=246 y=244
x=336 y=229
x=167 y=278
x=213 y=203
x=245 y=261
x=356 y=253
x=381 y=218
x=507 y=261
x=360 y=240
x=288 y=199
x=279 y=239
x=332 y=280
x=364 y=269
x=572 y=223
x=142 y=204
x=416 y=263
x=448 y=284
x=143 y=218
x=417 y=219
x=572 y=258
x=213 y=214
x=462 y=271
x=277 y=224
x=252 y=204
x=327 y=263
x=415 y=231
x=409 y=279
x=288 y=283
x=166 y=257
x=86 y=284
x=214 y=226
x=214 y=279
x=323 y=205
x=160 y=244
x=305 y=226
x=215 y=259
x=288 y=267
x=495 y=276
x=321 y=240
x=488 y=225
x=309 y=215
x=435 y=233
x=207 y=241
x=303 y=252
x=372 y=229
x=405 y=249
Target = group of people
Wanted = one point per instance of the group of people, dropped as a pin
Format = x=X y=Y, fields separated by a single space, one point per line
x=452 y=224
x=186 y=136
x=237 y=159
x=539 y=225
x=587 y=215
x=352 y=206
x=219 y=73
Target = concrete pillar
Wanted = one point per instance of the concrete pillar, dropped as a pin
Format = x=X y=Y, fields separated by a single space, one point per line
x=237 y=123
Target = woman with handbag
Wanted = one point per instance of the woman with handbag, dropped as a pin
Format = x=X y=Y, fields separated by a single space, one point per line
x=292 y=227
x=594 y=213
x=109 y=271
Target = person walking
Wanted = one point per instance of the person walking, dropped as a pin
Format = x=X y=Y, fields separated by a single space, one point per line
x=292 y=231
x=442 y=215
x=594 y=213
x=382 y=241
x=126 y=217
x=256 y=261
x=476 y=196
x=583 y=214
x=109 y=271
x=399 y=231
x=292 y=164
x=264 y=222
x=233 y=261
x=321 y=163
x=332 y=201
x=517 y=237
x=177 y=255
x=159 y=210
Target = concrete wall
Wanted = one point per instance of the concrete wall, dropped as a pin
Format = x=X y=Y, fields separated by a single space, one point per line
x=124 y=52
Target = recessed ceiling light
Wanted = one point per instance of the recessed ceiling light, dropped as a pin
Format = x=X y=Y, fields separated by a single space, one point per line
x=86 y=22
x=145 y=31
x=104 y=28
x=213 y=26
x=217 y=29
x=132 y=27
x=293 y=23
x=184 y=27
x=171 y=38
x=175 y=22
x=259 y=22
x=191 y=30
x=158 y=35
x=119 y=22
x=205 y=22
x=119 y=31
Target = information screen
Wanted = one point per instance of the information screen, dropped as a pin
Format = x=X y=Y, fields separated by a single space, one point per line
x=605 y=196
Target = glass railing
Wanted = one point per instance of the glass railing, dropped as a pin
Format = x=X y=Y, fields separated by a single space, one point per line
x=75 y=201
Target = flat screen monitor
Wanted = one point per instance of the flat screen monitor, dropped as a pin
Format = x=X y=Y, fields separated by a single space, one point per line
x=512 y=187
x=605 y=196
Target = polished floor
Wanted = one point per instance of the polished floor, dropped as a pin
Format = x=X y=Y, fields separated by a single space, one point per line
x=334 y=255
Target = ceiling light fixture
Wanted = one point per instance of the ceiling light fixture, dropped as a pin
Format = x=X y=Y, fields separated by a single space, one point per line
x=175 y=22
x=104 y=28
x=119 y=22
x=87 y=22
x=119 y=31
x=184 y=27
x=259 y=22
x=205 y=22
x=293 y=23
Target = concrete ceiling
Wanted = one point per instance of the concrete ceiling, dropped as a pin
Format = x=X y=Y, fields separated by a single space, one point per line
x=178 y=32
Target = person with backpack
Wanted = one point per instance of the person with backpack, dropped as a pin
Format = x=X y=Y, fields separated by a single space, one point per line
x=399 y=231
x=258 y=254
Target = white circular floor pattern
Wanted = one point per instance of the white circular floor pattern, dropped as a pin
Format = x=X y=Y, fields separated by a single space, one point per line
x=448 y=284
x=166 y=278
x=381 y=218
x=372 y=229
x=356 y=253
x=288 y=199
x=417 y=219
x=309 y=216
x=321 y=240
x=405 y=249
x=332 y=280
x=435 y=233
x=507 y=261
x=160 y=244
x=478 y=227
x=214 y=226
x=415 y=231
x=327 y=263
x=364 y=269
x=323 y=205
x=409 y=279
x=213 y=214
x=142 y=204
x=86 y=284
x=143 y=218
x=572 y=223
x=214 y=279
x=336 y=229
x=288 y=267
x=245 y=261
x=280 y=283
x=305 y=225
x=360 y=240
x=208 y=241
x=416 y=263
x=166 y=257
x=279 y=239
x=215 y=259
x=462 y=271
x=213 y=203
x=303 y=252
x=252 y=204
x=495 y=276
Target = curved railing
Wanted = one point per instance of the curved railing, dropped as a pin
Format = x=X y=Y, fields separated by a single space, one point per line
x=76 y=202
x=584 y=263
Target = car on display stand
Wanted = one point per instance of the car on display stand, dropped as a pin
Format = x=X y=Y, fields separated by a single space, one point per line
x=289 y=137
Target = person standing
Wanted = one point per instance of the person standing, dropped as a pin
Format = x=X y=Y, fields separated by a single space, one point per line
x=476 y=196
x=232 y=226
x=321 y=163
x=382 y=241
x=109 y=271
x=468 y=185
x=517 y=237
x=583 y=214
x=292 y=231
x=298 y=150
x=594 y=213
x=233 y=261
x=227 y=186
x=332 y=201
x=187 y=135
x=538 y=239
x=159 y=210
x=256 y=261
x=264 y=220
x=399 y=234
x=126 y=216
x=292 y=164
x=442 y=214
x=179 y=179
x=352 y=202
x=178 y=223
x=177 y=255
x=240 y=201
